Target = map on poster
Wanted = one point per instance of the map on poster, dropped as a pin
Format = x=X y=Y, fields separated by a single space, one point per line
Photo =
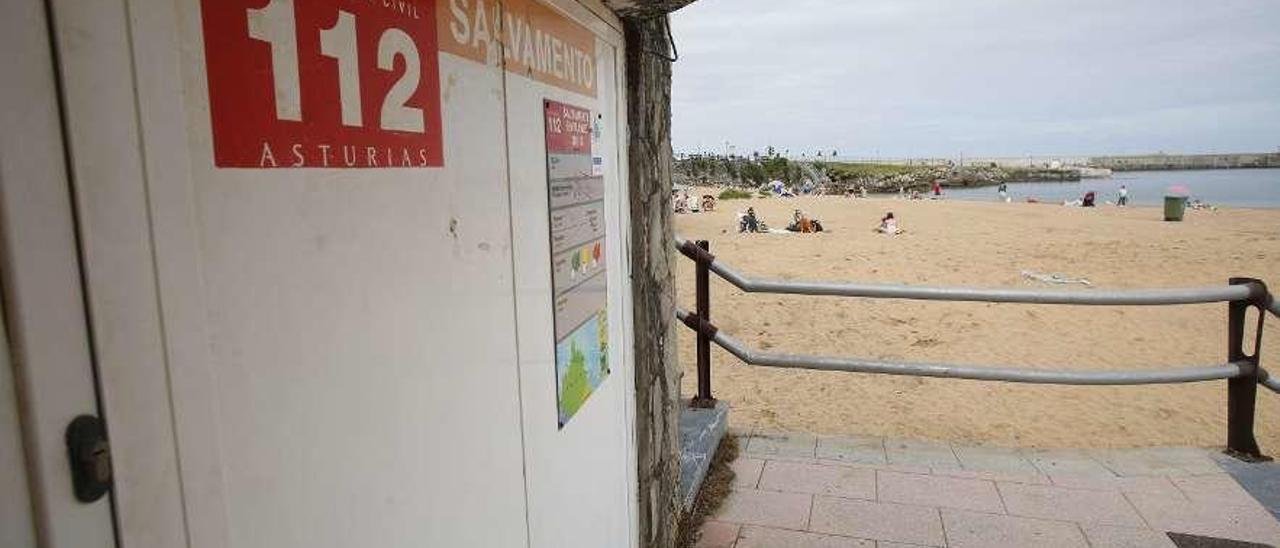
x=575 y=198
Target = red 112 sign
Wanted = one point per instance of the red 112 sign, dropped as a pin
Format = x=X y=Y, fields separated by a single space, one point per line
x=323 y=83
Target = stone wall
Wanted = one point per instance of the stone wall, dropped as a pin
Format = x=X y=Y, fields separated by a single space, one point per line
x=653 y=290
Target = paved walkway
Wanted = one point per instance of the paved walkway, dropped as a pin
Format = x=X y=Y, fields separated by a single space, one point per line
x=804 y=491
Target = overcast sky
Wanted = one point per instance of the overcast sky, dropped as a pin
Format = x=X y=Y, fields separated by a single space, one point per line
x=900 y=78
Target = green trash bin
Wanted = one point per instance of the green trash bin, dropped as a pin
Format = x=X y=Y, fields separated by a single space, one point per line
x=1174 y=207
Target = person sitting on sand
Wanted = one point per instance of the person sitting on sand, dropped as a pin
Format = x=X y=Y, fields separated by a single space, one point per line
x=915 y=195
x=889 y=225
x=1088 y=199
x=800 y=223
x=803 y=224
x=749 y=222
x=681 y=203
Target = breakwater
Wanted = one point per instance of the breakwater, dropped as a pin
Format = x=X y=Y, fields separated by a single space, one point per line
x=1163 y=162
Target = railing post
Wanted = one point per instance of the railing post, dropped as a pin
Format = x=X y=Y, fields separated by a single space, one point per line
x=1242 y=391
x=702 y=279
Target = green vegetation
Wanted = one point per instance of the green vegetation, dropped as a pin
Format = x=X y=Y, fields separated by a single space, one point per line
x=602 y=337
x=735 y=194
x=753 y=171
x=839 y=171
x=576 y=387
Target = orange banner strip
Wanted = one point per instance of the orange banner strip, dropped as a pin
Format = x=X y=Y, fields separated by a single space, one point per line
x=526 y=36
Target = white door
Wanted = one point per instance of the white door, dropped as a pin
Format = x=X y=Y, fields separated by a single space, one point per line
x=46 y=373
x=569 y=215
x=312 y=356
x=315 y=251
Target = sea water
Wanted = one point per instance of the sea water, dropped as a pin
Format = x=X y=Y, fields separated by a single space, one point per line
x=1219 y=187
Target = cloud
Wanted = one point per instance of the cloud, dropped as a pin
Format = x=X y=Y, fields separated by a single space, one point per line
x=980 y=78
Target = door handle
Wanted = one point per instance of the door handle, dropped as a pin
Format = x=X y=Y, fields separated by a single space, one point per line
x=90 y=457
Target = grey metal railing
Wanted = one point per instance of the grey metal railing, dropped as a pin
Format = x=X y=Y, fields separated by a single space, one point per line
x=1241 y=370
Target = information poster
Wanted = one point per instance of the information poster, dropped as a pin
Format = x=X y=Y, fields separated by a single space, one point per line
x=575 y=192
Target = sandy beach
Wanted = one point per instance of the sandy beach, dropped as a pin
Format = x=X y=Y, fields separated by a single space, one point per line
x=984 y=245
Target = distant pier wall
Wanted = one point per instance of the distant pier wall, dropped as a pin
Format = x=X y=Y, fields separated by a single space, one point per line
x=1137 y=162
x=1150 y=162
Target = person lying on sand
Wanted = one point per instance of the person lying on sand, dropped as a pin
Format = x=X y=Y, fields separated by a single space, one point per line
x=889 y=225
x=1198 y=204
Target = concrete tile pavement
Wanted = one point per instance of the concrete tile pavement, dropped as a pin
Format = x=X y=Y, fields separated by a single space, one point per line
x=1110 y=536
x=1062 y=503
x=783 y=444
x=1214 y=489
x=995 y=459
x=718 y=534
x=1068 y=463
x=1250 y=523
x=799 y=490
x=852 y=449
x=819 y=479
x=764 y=537
x=746 y=471
x=921 y=453
x=877 y=520
x=768 y=508
x=941 y=491
x=1143 y=484
x=973 y=529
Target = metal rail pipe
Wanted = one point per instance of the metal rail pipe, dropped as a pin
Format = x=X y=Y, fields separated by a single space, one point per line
x=1242 y=371
x=1265 y=379
x=1148 y=297
x=1006 y=374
